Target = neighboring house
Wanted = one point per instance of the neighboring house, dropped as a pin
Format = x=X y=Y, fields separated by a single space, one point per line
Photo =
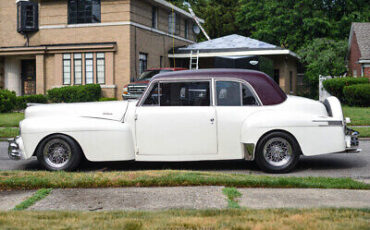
x=78 y=42
x=235 y=51
x=359 y=50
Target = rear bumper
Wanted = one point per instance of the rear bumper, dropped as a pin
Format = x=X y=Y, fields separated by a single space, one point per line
x=15 y=148
x=352 y=142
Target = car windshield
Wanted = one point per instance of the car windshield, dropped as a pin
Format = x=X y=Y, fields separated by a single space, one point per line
x=147 y=75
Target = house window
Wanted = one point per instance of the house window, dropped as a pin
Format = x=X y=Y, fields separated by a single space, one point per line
x=66 y=69
x=161 y=61
x=186 y=29
x=89 y=68
x=77 y=65
x=354 y=73
x=83 y=11
x=143 y=62
x=100 y=68
x=154 y=17
x=173 y=23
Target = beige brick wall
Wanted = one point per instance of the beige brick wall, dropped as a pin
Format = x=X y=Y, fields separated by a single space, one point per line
x=120 y=64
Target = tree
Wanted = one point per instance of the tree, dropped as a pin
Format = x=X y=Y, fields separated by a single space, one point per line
x=323 y=56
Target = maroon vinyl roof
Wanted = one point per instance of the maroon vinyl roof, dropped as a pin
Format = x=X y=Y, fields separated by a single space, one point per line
x=268 y=91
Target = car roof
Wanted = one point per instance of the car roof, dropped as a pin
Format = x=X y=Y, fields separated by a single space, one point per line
x=266 y=88
x=167 y=68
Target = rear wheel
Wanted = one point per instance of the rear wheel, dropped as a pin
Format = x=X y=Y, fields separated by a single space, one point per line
x=59 y=152
x=277 y=152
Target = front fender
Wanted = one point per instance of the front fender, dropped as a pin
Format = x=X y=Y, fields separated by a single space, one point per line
x=99 y=139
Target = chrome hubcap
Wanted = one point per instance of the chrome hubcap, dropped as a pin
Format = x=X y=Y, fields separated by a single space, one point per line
x=277 y=151
x=57 y=153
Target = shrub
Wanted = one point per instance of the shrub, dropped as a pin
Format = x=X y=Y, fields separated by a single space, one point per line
x=7 y=101
x=21 y=101
x=335 y=86
x=108 y=99
x=357 y=95
x=81 y=93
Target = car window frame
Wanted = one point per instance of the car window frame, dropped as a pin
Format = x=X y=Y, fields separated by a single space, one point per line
x=177 y=80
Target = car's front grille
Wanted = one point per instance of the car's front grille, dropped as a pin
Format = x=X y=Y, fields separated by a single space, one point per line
x=137 y=88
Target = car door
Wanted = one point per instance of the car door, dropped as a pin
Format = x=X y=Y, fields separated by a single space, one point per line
x=235 y=101
x=177 y=119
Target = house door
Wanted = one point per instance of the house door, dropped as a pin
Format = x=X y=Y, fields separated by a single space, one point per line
x=28 y=77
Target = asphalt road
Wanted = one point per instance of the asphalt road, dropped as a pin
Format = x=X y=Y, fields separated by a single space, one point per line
x=354 y=165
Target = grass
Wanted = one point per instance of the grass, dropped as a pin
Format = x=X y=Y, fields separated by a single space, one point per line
x=232 y=195
x=8 y=132
x=305 y=219
x=364 y=131
x=10 y=119
x=15 y=180
x=358 y=115
x=39 y=195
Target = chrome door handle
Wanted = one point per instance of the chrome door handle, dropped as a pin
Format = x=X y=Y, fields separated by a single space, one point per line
x=212 y=120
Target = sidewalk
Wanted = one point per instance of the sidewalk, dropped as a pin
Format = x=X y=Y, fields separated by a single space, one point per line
x=206 y=197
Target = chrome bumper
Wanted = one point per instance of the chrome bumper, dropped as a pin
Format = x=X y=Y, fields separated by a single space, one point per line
x=131 y=96
x=352 y=142
x=14 y=151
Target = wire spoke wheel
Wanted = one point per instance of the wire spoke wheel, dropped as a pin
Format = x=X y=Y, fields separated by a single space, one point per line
x=57 y=153
x=278 y=152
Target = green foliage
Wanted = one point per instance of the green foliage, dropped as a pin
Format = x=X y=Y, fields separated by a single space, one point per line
x=108 y=99
x=335 y=86
x=7 y=101
x=325 y=57
x=39 y=195
x=22 y=101
x=232 y=195
x=69 y=94
x=357 y=95
x=291 y=24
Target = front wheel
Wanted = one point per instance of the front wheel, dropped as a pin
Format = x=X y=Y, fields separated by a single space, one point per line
x=59 y=152
x=277 y=152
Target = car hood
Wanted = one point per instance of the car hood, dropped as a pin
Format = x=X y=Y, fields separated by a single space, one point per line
x=112 y=110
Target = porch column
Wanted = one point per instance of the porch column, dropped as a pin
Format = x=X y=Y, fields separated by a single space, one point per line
x=40 y=74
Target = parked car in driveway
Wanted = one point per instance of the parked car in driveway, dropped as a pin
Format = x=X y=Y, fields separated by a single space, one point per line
x=135 y=89
x=222 y=114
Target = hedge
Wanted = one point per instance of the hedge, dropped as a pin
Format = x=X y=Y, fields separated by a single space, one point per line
x=7 y=100
x=335 y=86
x=357 y=95
x=81 y=93
x=21 y=101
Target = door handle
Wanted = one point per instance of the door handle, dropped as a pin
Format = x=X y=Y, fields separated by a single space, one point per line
x=212 y=120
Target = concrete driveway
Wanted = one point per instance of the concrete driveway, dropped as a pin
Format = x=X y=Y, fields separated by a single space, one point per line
x=354 y=165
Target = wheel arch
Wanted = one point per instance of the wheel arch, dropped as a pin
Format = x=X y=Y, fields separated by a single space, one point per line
x=54 y=134
x=281 y=131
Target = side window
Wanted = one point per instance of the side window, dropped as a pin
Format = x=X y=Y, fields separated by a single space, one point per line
x=248 y=96
x=153 y=97
x=185 y=94
x=228 y=93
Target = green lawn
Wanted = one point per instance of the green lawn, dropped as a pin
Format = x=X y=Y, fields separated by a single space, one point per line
x=358 y=115
x=305 y=219
x=10 y=119
x=13 y=180
x=8 y=132
x=364 y=131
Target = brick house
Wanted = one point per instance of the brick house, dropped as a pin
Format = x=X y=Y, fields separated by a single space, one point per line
x=77 y=42
x=359 y=50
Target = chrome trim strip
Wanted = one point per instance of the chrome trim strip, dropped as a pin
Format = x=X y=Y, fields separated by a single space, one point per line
x=329 y=123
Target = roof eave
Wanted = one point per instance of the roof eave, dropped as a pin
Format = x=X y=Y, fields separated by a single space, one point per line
x=261 y=52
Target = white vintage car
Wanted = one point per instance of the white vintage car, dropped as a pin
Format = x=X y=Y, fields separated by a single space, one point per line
x=188 y=116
